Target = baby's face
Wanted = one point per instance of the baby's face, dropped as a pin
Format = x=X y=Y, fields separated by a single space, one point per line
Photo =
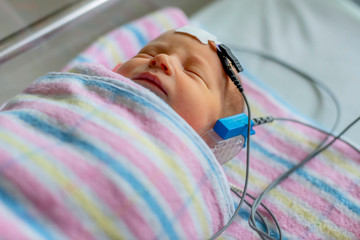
x=184 y=73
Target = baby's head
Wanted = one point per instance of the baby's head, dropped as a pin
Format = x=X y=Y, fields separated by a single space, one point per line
x=187 y=75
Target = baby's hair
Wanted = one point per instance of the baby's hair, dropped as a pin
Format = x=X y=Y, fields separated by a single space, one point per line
x=233 y=100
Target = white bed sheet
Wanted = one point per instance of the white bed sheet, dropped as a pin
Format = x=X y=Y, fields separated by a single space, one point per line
x=322 y=38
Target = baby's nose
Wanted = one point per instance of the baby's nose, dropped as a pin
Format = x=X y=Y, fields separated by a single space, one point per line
x=161 y=61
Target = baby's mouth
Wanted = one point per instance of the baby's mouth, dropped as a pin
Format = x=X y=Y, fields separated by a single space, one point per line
x=152 y=79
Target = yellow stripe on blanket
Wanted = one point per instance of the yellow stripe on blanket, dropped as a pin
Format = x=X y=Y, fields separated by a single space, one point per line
x=163 y=20
x=110 y=49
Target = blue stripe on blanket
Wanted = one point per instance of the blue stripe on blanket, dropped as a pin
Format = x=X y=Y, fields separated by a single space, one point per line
x=112 y=163
x=130 y=95
x=245 y=215
x=313 y=180
x=138 y=34
x=20 y=211
x=83 y=59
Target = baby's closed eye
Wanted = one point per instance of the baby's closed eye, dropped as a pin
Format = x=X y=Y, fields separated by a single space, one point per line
x=194 y=73
x=144 y=55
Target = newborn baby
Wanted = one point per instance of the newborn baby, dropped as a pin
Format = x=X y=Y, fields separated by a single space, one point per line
x=186 y=72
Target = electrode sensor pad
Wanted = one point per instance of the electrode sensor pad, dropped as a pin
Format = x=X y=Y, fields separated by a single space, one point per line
x=203 y=36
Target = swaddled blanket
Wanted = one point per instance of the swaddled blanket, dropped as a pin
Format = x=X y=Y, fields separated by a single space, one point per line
x=92 y=155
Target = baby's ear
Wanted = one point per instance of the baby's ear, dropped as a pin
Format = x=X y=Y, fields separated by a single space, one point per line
x=117 y=67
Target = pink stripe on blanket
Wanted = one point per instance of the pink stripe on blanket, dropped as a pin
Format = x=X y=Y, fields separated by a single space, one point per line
x=262 y=100
x=153 y=29
x=346 y=151
x=45 y=202
x=96 y=50
x=238 y=231
x=177 y=16
x=91 y=176
x=126 y=43
x=11 y=230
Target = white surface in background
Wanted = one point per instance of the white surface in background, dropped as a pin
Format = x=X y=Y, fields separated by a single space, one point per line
x=322 y=38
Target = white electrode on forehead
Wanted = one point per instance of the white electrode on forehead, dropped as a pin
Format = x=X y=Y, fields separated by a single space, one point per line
x=203 y=36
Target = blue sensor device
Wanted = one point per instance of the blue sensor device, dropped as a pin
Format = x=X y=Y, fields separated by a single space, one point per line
x=228 y=136
x=233 y=126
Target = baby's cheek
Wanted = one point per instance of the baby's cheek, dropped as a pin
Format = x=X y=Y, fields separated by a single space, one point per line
x=198 y=115
x=128 y=68
x=124 y=70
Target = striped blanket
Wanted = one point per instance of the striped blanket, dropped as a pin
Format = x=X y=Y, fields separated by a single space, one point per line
x=92 y=155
